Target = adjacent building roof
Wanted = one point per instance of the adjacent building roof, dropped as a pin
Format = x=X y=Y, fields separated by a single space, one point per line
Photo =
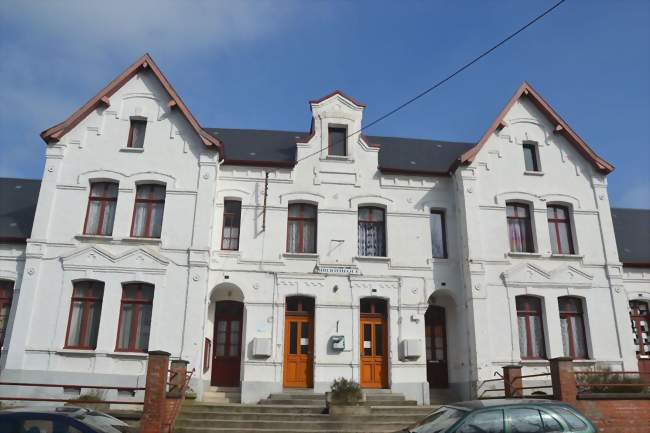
x=18 y=198
x=278 y=149
x=632 y=228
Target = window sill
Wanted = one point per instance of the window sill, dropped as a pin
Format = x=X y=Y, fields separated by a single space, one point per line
x=534 y=362
x=518 y=254
x=228 y=253
x=533 y=173
x=84 y=237
x=584 y=361
x=300 y=256
x=128 y=354
x=372 y=259
x=338 y=158
x=132 y=149
x=567 y=256
x=152 y=241
x=76 y=352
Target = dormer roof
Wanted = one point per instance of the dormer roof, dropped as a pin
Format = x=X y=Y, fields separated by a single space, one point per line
x=57 y=131
x=561 y=127
x=339 y=93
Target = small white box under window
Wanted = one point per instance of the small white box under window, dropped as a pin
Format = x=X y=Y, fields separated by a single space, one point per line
x=261 y=347
x=411 y=348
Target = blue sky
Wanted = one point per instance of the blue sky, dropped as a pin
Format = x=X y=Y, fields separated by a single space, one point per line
x=256 y=64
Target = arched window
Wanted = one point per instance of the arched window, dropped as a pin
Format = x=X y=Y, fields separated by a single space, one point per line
x=148 y=211
x=6 y=296
x=574 y=340
x=559 y=229
x=85 y=313
x=301 y=228
x=531 y=328
x=520 y=229
x=372 y=231
x=135 y=317
x=101 y=208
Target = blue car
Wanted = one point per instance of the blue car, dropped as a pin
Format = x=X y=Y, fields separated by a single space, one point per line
x=65 y=419
x=504 y=416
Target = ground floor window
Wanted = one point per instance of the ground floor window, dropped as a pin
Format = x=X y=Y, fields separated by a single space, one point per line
x=85 y=313
x=531 y=328
x=6 y=296
x=640 y=319
x=574 y=340
x=135 y=317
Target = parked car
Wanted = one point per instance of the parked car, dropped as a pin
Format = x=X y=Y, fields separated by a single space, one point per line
x=64 y=419
x=504 y=415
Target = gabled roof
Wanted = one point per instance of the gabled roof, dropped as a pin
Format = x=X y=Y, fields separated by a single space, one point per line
x=103 y=98
x=18 y=198
x=561 y=127
x=337 y=92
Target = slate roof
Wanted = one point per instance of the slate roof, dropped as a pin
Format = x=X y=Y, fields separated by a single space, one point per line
x=18 y=198
x=632 y=228
x=278 y=148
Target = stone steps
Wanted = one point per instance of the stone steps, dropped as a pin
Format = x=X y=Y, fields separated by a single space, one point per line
x=222 y=395
x=288 y=416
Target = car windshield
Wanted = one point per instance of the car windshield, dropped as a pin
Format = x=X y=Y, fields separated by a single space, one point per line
x=439 y=421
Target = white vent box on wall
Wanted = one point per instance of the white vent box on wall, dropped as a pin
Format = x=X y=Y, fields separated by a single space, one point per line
x=261 y=347
x=411 y=348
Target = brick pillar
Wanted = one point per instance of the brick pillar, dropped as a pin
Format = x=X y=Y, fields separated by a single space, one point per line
x=564 y=380
x=512 y=381
x=154 y=394
x=178 y=372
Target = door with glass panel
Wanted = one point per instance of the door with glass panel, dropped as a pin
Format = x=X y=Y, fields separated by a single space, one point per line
x=299 y=342
x=226 y=357
x=373 y=344
x=436 y=346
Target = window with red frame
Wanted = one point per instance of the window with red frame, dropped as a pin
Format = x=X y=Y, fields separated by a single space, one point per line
x=148 y=211
x=136 y=132
x=519 y=228
x=372 y=232
x=301 y=228
x=101 y=209
x=338 y=141
x=559 y=229
x=574 y=340
x=231 y=222
x=531 y=328
x=135 y=317
x=85 y=313
x=6 y=296
x=640 y=318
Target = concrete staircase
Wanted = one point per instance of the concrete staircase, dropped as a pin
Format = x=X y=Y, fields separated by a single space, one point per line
x=299 y=412
x=222 y=395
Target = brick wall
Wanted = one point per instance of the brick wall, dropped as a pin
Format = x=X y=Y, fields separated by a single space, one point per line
x=617 y=416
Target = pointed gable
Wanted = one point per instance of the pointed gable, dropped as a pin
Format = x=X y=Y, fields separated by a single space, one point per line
x=561 y=127
x=55 y=133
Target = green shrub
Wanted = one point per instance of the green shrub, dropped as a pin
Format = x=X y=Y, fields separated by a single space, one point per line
x=94 y=396
x=346 y=392
x=611 y=383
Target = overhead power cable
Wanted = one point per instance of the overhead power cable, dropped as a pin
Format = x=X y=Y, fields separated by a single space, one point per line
x=447 y=78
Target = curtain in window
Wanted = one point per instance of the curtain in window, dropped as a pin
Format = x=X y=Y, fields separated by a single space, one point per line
x=135 y=317
x=371 y=232
x=559 y=228
x=531 y=328
x=6 y=296
x=301 y=228
x=231 y=223
x=519 y=228
x=85 y=313
x=148 y=213
x=438 y=235
x=101 y=208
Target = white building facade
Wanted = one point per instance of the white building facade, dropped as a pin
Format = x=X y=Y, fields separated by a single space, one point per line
x=273 y=260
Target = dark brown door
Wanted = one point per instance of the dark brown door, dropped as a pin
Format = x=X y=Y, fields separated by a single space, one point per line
x=436 y=347
x=299 y=343
x=226 y=356
x=640 y=318
x=373 y=344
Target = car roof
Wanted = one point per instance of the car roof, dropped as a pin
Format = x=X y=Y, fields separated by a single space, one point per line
x=59 y=410
x=497 y=402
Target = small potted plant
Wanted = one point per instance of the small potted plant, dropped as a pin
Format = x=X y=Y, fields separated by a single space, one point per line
x=346 y=398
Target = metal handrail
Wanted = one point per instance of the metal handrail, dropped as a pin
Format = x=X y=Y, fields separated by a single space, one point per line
x=70 y=400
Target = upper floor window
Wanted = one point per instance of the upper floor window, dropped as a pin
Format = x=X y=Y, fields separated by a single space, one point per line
x=6 y=296
x=559 y=228
x=574 y=340
x=231 y=221
x=148 y=211
x=531 y=159
x=101 y=209
x=640 y=318
x=135 y=317
x=136 y=132
x=337 y=141
x=372 y=232
x=438 y=234
x=85 y=312
x=531 y=328
x=301 y=228
x=519 y=228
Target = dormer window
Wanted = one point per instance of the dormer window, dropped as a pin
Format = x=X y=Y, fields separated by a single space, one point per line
x=136 y=132
x=338 y=141
x=531 y=158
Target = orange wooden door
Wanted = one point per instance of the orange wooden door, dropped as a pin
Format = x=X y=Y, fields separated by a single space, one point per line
x=374 y=365
x=298 y=351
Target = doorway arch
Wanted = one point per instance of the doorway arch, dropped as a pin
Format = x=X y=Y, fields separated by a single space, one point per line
x=228 y=317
